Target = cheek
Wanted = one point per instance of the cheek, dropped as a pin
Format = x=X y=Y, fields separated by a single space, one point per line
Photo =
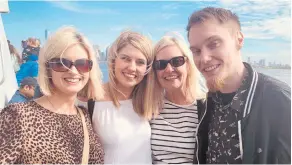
x=86 y=76
x=197 y=61
x=159 y=75
x=142 y=70
x=56 y=78
x=118 y=67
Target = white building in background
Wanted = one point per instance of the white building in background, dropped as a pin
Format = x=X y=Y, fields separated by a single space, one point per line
x=8 y=84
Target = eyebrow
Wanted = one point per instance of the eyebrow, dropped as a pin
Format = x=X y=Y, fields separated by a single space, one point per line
x=214 y=37
x=131 y=57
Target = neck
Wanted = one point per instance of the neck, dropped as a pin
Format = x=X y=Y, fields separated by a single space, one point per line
x=63 y=104
x=124 y=93
x=179 y=97
x=22 y=92
x=233 y=82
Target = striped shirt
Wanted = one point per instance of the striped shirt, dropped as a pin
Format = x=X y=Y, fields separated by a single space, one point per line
x=173 y=134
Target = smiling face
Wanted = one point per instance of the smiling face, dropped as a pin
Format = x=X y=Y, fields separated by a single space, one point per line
x=216 y=51
x=129 y=67
x=171 y=78
x=70 y=82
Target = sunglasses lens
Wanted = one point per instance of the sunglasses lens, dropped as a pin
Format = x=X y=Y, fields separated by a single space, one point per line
x=59 y=65
x=177 y=61
x=83 y=65
x=160 y=64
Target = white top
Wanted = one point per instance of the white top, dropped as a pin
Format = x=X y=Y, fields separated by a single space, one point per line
x=125 y=136
x=173 y=134
x=14 y=61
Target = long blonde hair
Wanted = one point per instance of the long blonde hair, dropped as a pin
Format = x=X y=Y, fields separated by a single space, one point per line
x=192 y=86
x=55 y=46
x=144 y=105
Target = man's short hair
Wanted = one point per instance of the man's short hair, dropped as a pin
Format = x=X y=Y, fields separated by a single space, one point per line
x=219 y=14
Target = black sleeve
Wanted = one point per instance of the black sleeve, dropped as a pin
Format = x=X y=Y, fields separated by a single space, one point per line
x=283 y=150
x=279 y=105
x=90 y=106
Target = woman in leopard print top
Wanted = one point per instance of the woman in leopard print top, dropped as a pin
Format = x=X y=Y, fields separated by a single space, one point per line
x=49 y=130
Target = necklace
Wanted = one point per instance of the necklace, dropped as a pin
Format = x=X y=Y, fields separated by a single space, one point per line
x=56 y=110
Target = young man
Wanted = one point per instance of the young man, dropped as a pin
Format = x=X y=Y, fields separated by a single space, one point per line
x=248 y=114
x=26 y=90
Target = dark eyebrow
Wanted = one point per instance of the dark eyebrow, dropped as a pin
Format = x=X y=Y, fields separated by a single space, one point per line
x=214 y=37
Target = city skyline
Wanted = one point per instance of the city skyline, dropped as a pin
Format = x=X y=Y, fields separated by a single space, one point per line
x=266 y=24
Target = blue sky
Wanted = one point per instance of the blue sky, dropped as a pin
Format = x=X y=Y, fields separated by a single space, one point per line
x=266 y=24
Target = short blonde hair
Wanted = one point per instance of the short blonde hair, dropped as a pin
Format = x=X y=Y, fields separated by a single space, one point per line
x=192 y=85
x=33 y=42
x=144 y=105
x=55 y=46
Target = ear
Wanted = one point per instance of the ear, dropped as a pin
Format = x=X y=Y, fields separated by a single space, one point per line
x=26 y=87
x=239 y=40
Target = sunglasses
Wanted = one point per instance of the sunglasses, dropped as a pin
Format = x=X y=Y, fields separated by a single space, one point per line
x=174 y=62
x=63 y=65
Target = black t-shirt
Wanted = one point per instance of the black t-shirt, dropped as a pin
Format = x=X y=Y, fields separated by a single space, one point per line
x=226 y=97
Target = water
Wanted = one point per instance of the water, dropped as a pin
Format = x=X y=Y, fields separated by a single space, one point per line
x=104 y=69
x=280 y=74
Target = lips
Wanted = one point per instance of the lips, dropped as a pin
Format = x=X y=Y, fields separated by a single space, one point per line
x=129 y=75
x=211 y=68
x=72 y=80
x=171 y=77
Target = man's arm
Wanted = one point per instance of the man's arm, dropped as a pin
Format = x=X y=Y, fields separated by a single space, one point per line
x=279 y=106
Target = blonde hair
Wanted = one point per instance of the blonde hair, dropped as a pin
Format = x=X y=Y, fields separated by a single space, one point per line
x=33 y=42
x=55 y=46
x=144 y=105
x=192 y=85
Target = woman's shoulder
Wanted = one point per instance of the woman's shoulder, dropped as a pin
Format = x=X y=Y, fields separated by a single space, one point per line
x=17 y=111
x=17 y=107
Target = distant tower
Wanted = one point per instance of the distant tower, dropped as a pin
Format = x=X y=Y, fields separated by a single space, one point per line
x=248 y=60
x=47 y=32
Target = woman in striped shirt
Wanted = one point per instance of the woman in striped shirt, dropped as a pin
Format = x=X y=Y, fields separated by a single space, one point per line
x=173 y=137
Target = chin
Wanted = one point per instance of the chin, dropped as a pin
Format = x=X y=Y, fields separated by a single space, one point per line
x=215 y=84
x=72 y=91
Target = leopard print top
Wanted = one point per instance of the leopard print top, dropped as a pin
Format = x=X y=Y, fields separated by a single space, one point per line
x=31 y=134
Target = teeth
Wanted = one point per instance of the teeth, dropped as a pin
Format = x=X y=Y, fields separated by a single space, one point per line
x=211 y=68
x=73 y=80
x=170 y=77
x=129 y=75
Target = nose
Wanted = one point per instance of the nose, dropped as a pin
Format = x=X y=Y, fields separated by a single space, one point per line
x=205 y=56
x=168 y=68
x=132 y=66
x=74 y=70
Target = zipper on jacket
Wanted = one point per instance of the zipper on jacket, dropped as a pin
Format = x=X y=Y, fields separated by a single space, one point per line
x=197 y=131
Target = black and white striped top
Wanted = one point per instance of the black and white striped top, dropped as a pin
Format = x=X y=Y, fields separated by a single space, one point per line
x=173 y=134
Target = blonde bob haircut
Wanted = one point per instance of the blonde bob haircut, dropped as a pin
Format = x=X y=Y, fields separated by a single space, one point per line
x=144 y=105
x=55 y=46
x=192 y=86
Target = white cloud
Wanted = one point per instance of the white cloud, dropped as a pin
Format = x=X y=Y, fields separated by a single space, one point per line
x=171 y=6
x=268 y=29
x=263 y=19
x=168 y=16
x=76 y=7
